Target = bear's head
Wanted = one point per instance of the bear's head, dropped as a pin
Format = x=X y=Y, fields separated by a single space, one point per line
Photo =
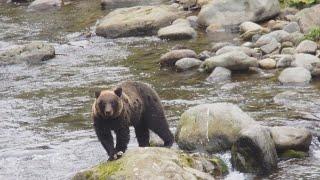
x=109 y=103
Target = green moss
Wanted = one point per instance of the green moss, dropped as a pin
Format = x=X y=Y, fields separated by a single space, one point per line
x=298 y=3
x=186 y=160
x=108 y=169
x=221 y=167
x=314 y=34
x=293 y=154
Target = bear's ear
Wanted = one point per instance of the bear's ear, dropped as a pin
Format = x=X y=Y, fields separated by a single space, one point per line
x=97 y=94
x=118 y=91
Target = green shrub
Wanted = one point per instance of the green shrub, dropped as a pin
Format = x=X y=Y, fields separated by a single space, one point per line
x=298 y=3
x=314 y=34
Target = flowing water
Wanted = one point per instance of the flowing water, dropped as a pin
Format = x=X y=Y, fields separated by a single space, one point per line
x=45 y=126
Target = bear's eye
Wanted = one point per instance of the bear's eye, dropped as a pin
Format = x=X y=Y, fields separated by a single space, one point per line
x=113 y=104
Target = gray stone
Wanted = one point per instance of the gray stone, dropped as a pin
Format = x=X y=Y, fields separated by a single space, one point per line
x=304 y=60
x=234 y=12
x=254 y=151
x=170 y=58
x=307 y=46
x=33 y=53
x=193 y=21
x=41 y=5
x=288 y=50
x=284 y=61
x=296 y=37
x=279 y=35
x=308 y=18
x=234 y=60
x=219 y=74
x=250 y=52
x=180 y=29
x=137 y=21
x=187 y=63
x=205 y=55
x=272 y=46
x=292 y=27
x=295 y=75
x=211 y=127
x=267 y=63
x=216 y=46
x=290 y=138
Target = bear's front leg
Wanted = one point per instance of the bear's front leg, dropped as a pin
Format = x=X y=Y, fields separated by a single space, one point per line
x=106 y=139
x=123 y=137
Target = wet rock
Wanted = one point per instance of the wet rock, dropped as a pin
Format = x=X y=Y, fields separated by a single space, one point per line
x=170 y=58
x=267 y=63
x=33 y=53
x=205 y=55
x=193 y=21
x=148 y=163
x=234 y=60
x=288 y=50
x=180 y=29
x=234 y=12
x=41 y=5
x=285 y=97
x=307 y=46
x=211 y=127
x=187 y=63
x=308 y=18
x=292 y=27
x=108 y=3
x=137 y=21
x=295 y=75
x=248 y=51
x=286 y=138
x=216 y=46
x=304 y=60
x=284 y=60
x=219 y=74
x=254 y=151
x=289 y=154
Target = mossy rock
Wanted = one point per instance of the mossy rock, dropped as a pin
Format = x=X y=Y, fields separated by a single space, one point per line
x=289 y=154
x=221 y=167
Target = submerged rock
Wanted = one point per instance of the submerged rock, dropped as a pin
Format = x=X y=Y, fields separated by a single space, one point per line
x=295 y=75
x=170 y=58
x=234 y=12
x=180 y=29
x=234 y=60
x=254 y=151
x=211 y=127
x=187 y=63
x=219 y=74
x=154 y=163
x=137 y=21
x=287 y=138
x=289 y=154
x=33 y=52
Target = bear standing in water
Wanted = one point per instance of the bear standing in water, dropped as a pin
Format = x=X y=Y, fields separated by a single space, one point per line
x=130 y=104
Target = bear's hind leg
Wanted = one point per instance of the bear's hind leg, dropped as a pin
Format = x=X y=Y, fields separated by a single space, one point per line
x=143 y=135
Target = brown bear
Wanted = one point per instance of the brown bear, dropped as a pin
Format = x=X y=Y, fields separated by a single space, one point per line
x=129 y=104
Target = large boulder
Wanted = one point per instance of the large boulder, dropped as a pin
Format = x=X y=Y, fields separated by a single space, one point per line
x=295 y=75
x=137 y=21
x=254 y=151
x=41 y=5
x=234 y=12
x=305 y=60
x=234 y=60
x=211 y=127
x=290 y=138
x=170 y=58
x=154 y=163
x=308 y=18
x=307 y=46
x=33 y=52
x=180 y=29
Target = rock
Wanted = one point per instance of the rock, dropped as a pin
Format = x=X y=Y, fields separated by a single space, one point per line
x=267 y=63
x=148 y=163
x=279 y=35
x=286 y=138
x=33 y=53
x=187 y=63
x=137 y=21
x=170 y=58
x=193 y=21
x=287 y=11
x=292 y=27
x=219 y=74
x=295 y=75
x=307 y=46
x=180 y=29
x=315 y=70
x=272 y=46
x=296 y=37
x=308 y=18
x=286 y=44
x=211 y=127
x=277 y=24
x=216 y=46
x=248 y=44
x=41 y=5
x=246 y=50
x=249 y=29
x=254 y=151
x=286 y=97
x=288 y=50
x=289 y=154
x=284 y=61
x=205 y=55
x=234 y=12
x=304 y=60
x=234 y=60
